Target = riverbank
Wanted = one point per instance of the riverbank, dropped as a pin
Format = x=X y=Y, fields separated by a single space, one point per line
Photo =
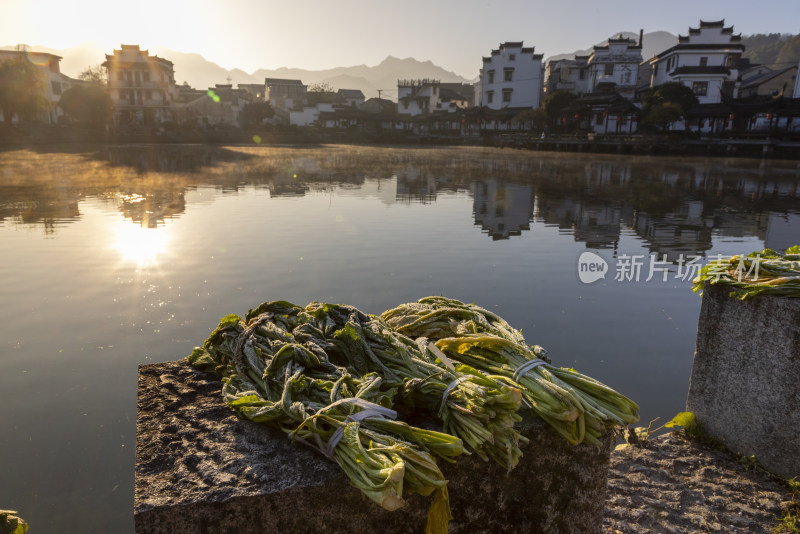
x=751 y=146
x=679 y=485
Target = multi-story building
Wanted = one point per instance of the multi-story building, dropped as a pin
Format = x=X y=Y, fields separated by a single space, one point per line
x=50 y=79
x=568 y=75
x=706 y=60
x=614 y=66
x=141 y=87
x=415 y=97
x=285 y=94
x=512 y=77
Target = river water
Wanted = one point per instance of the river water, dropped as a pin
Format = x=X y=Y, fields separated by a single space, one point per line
x=122 y=256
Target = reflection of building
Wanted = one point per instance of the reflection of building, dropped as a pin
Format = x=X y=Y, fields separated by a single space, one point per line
x=50 y=78
x=597 y=225
x=783 y=231
x=685 y=231
x=415 y=186
x=502 y=208
x=512 y=77
x=141 y=86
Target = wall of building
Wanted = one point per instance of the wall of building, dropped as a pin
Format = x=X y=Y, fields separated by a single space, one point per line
x=526 y=84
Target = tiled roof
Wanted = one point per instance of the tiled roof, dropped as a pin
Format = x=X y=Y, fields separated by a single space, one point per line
x=282 y=81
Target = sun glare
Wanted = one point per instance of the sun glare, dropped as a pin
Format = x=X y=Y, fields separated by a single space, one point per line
x=141 y=245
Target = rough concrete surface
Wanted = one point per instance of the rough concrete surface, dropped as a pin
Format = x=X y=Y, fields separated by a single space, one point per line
x=677 y=485
x=201 y=469
x=745 y=385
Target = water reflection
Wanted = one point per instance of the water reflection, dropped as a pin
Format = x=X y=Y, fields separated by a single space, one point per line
x=675 y=206
x=139 y=244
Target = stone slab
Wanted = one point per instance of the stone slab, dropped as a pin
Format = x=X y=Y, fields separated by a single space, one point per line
x=199 y=468
x=745 y=384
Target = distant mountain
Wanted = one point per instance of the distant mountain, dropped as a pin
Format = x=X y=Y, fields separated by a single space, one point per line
x=775 y=49
x=653 y=43
x=383 y=76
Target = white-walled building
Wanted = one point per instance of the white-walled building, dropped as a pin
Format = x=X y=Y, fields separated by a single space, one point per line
x=351 y=97
x=706 y=60
x=415 y=97
x=797 y=83
x=512 y=77
x=51 y=80
x=614 y=66
x=568 y=75
x=142 y=87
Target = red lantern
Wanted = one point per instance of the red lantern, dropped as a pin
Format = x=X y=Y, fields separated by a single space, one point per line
x=769 y=116
x=564 y=120
x=730 y=117
x=577 y=116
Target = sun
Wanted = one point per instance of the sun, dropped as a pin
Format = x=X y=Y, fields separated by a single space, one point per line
x=140 y=245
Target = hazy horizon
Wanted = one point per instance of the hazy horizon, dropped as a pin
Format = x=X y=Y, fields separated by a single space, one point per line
x=251 y=35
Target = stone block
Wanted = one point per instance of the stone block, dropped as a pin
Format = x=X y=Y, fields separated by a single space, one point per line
x=201 y=469
x=745 y=384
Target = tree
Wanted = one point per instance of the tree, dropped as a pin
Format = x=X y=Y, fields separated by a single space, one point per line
x=669 y=100
x=662 y=115
x=94 y=74
x=320 y=87
x=254 y=113
x=555 y=102
x=88 y=104
x=21 y=89
x=531 y=119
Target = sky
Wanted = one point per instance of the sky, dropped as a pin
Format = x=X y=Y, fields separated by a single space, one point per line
x=319 y=34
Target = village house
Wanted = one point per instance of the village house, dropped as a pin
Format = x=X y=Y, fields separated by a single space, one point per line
x=512 y=77
x=568 y=75
x=706 y=60
x=284 y=94
x=351 y=97
x=415 y=97
x=762 y=80
x=141 y=87
x=614 y=66
x=51 y=80
x=217 y=107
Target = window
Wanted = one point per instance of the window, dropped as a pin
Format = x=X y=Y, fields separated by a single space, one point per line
x=56 y=88
x=732 y=62
x=121 y=76
x=582 y=74
x=145 y=76
x=703 y=61
x=608 y=69
x=148 y=95
x=512 y=57
x=491 y=76
x=598 y=118
x=489 y=97
x=700 y=88
x=507 y=95
x=508 y=75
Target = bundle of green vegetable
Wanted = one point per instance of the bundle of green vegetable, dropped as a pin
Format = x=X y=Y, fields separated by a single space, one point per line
x=275 y=370
x=759 y=273
x=577 y=406
x=479 y=409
